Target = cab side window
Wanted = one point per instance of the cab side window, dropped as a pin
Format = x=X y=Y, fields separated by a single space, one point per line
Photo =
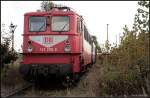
x=79 y=25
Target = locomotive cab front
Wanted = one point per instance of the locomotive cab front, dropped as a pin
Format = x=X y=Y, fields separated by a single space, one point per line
x=51 y=44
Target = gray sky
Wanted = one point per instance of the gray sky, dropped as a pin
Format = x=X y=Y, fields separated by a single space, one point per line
x=95 y=13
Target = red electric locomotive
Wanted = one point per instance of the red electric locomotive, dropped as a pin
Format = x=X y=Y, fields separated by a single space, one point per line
x=56 y=43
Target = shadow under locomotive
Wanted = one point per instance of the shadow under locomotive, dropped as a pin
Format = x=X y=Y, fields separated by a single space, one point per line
x=47 y=74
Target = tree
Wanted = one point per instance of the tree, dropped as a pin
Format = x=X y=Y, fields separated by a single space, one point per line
x=96 y=43
x=142 y=17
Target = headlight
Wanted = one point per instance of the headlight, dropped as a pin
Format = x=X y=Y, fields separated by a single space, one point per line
x=29 y=49
x=67 y=48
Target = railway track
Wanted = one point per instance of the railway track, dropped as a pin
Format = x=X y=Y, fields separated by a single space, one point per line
x=16 y=91
x=26 y=86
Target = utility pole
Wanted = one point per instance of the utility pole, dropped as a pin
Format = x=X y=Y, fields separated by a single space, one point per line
x=107 y=46
x=107 y=32
x=12 y=29
x=119 y=38
x=107 y=42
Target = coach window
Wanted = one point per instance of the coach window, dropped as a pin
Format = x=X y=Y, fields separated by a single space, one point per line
x=79 y=25
x=88 y=37
x=60 y=23
x=37 y=24
x=85 y=33
x=90 y=40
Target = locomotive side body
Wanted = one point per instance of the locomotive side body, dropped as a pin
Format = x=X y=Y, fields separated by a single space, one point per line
x=53 y=45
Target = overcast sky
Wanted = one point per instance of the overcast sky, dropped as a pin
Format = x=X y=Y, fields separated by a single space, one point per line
x=97 y=14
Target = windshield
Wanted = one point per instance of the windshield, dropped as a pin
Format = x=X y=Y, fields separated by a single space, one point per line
x=37 y=23
x=60 y=23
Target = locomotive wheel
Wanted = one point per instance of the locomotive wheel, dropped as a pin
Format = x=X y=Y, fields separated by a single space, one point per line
x=76 y=77
x=67 y=82
x=71 y=81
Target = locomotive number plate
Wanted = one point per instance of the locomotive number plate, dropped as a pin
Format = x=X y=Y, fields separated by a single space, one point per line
x=48 y=49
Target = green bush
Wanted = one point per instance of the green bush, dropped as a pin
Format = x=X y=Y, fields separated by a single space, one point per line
x=118 y=83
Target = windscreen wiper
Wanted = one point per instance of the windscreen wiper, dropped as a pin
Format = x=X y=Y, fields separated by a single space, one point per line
x=63 y=27
x=41 y=27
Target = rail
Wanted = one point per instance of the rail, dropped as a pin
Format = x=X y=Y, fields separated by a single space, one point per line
x=17 y=90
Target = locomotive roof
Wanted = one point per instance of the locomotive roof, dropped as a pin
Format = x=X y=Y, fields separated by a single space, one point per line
x=53 y=12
